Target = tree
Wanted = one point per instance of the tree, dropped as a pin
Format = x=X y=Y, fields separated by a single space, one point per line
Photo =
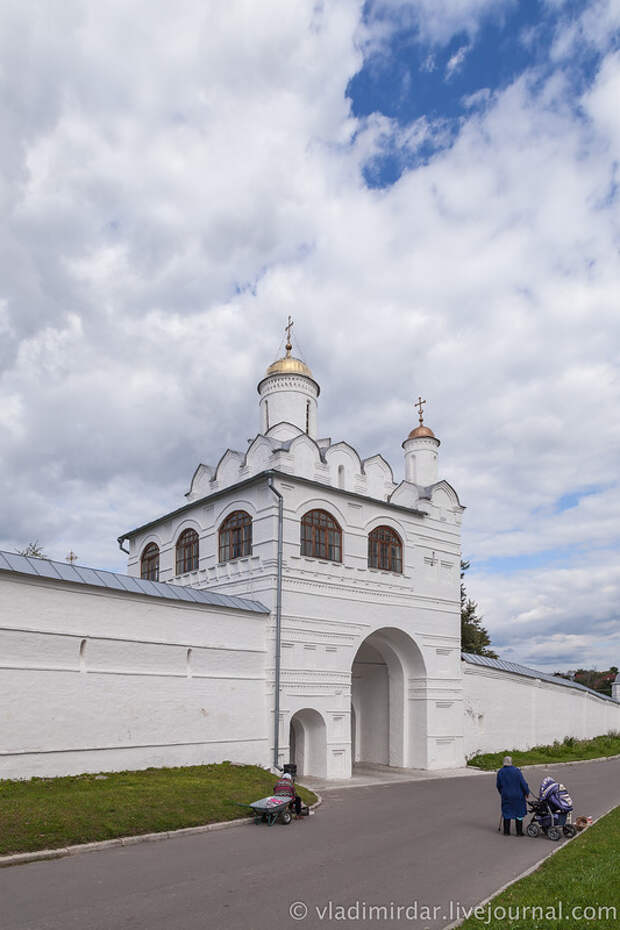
x=33 y=549
x=474 y=637
x=597 y=680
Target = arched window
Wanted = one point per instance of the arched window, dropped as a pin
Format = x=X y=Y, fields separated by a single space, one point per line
x=187 y=552
x=385 y=550
x=236 y=536
x=321 y=537
x=149 y=563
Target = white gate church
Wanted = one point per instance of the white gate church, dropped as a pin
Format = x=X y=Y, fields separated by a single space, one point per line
x=360 y=574
x=300 y=606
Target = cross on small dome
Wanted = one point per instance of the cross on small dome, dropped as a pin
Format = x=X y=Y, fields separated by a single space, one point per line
x=289 y=365
x=421 y=431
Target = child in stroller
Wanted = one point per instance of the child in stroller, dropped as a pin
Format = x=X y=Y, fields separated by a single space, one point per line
x=551 y=811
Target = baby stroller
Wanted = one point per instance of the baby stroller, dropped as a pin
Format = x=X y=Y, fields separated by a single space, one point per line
x=551 y=811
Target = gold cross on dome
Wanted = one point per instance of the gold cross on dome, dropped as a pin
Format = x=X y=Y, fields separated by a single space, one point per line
x=419 y=405
x=287 y=330
x=71 y=558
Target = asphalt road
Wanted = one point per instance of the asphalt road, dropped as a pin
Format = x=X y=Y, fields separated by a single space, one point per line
x=432 y=842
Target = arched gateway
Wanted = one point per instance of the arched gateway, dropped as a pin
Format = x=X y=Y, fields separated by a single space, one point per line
x=388 y=701
x=308 y=742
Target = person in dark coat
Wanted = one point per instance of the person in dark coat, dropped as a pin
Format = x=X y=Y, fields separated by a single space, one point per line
x=514 y=789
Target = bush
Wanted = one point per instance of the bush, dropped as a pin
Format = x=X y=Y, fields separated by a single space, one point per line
x=569 y=750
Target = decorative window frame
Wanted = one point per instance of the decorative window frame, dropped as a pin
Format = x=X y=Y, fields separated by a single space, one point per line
x=245 y=543
x=388 y=567
x=152 y=574
x=322 y=545
x=188 y=564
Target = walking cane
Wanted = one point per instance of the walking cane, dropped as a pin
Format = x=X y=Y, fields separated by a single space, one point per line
x=501 y=820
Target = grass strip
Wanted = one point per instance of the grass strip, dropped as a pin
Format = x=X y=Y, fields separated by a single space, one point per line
x=48 y=813
x=582 y=877
x=570 y=750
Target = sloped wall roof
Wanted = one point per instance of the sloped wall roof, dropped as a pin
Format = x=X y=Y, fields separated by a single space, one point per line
x=79 y=574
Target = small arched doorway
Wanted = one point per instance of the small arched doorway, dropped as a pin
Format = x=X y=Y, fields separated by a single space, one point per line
x=308 y=742
x=388 y=681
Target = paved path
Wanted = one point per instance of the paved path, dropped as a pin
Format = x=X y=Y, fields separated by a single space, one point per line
x=431 y=841
x=368 y=776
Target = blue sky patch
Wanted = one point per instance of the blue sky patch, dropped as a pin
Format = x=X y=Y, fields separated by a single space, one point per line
x=568 y=501
x=509 y=565
x=411 y=78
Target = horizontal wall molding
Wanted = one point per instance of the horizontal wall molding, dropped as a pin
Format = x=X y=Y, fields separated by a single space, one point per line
x=200 y=742
x=128 y=672
x=43 y=668
x=104 y=637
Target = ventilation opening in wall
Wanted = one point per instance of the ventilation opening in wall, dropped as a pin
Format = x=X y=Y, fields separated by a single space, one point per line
x=267 y=416
x=341 y=476
x=83 y=656
x=308 y=416
x=188 y=663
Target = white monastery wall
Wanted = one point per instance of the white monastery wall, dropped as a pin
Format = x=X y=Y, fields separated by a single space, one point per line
x=96 y=680
x=371 y=671
x=508 y=711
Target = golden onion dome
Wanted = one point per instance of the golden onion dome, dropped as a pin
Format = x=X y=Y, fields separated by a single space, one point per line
x=289 y=365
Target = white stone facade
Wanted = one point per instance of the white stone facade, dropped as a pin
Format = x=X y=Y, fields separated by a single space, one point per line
x=371 y=656
x=504 y=710
x=370 y=665
x=96 y=680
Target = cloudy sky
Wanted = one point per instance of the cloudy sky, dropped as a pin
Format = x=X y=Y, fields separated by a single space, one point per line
x=429 y=187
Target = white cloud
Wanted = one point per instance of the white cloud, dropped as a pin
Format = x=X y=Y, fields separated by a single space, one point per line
x=595 y=27
x=455 y=62
x=437 y=21
x=178 y=182
x=477 y=99
x=556 y=617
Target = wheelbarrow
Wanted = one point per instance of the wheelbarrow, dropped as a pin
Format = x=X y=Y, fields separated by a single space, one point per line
x=272 y=809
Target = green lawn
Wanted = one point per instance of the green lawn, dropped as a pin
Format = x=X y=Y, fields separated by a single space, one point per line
x=46 y=813
x=570 y=750
x=583 y=875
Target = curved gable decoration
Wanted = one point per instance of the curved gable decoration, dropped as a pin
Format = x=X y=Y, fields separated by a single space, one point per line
x=199 y=485
x=258 y=456
x=306 y=456
x=344 y=465
x=378 y=465
x=284 y=431
x=405 y=495
x=343 y=449
x=444 y=495
x=228 y=467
